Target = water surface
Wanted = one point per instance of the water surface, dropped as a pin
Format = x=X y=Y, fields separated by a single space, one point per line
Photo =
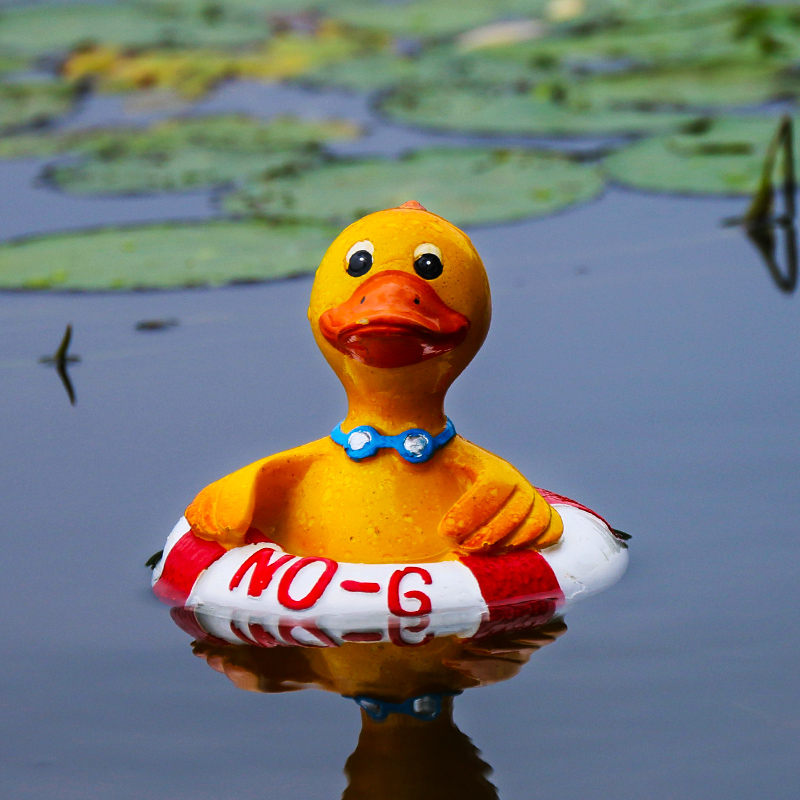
x=640 y=360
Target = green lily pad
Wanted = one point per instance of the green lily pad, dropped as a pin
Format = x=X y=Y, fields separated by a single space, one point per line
x=163 y=256
x=180 y=154
x=721 y=156
x=216 y=10
x=33 y=103
x=182 y=171
x=709 y=85
x=60 y=28
x=12 y=63
x=428 y=18
x=434 y=65
x=468 y=187
x=661 y=42
x=527 y=112
x=441 y=18
x=374 y=71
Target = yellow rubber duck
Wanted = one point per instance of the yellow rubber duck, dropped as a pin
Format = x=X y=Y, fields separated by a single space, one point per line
x=399 y=307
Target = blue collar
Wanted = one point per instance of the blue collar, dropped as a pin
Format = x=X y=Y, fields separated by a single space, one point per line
x=415 y=445
x=426 y=707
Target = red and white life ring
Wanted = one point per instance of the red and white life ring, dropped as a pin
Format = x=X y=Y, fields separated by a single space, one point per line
x=260 y=594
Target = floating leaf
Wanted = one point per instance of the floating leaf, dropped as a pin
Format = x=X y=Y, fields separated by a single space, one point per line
x=426 y=18
x=660 y=41
x=684 y=87
x=544 y=110
x=468 y=187
x=33 y=103
x=432 y=65
x=185 y=170
x=221 y=133
x=720 y=156
x=180 y=154
x=59 y=28
x=12 y=63
x=163 y=256
x=635 y=101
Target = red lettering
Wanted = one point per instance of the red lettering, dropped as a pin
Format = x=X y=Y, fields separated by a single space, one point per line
x=396 y=633
x=263 y=572
x=360 y=586
x=394 y=593
x=316 y=590
x=286 y=629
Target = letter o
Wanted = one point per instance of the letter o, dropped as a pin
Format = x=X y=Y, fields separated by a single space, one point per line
x=316 y=590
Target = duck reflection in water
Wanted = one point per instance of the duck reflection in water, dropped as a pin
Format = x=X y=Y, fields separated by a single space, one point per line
x=408 y=738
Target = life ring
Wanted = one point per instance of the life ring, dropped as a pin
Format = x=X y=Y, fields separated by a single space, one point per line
x=260 y=594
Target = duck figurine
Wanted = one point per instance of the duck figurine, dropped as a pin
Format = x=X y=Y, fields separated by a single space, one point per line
x=400 y=305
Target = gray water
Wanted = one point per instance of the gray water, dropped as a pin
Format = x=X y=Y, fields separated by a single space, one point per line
x=640 y=360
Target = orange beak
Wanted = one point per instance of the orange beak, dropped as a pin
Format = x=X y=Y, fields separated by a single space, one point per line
x=393 y=319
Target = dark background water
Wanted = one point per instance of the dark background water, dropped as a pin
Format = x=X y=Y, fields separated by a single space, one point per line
x=640 y=360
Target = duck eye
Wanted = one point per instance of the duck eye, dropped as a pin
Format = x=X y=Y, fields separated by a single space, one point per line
x=428 y=261
x=359 y=263
x=359 y=258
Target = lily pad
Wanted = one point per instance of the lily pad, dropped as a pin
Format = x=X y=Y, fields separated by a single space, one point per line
x=433 y=65
x=60 y=28
x=375 y=71
x=180 y=154
x=163 y=256
x=660 y=42
x=428 y=18
x=33 y=103
x=12 y=63
x=183 y=171
x=545 y=110
x=440 y=18
x=468 y=187
x=215 y=10
x=720 y=156
x=684 y=87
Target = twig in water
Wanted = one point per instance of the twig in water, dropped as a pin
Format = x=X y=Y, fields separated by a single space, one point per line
x=60 y=360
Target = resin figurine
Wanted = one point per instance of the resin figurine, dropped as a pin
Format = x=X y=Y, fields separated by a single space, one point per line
x=393 y=512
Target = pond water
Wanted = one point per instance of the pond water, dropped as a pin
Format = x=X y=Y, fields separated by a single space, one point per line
x=641 y=360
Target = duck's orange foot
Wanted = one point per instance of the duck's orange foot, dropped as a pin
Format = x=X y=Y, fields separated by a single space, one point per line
x=495 y=517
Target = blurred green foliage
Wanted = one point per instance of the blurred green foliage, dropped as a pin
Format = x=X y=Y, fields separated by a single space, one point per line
x=723 y=155
x=33 y=103
x=466 y=186
x=163 y=256
x=695 y=84
x=180 y=154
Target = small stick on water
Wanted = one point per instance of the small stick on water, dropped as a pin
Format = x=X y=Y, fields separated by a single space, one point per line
x=60 y=360
x=761 y=225
x=61 y=355
x=761 y=209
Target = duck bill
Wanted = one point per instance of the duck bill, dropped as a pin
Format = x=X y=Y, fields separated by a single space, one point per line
x=393 y=319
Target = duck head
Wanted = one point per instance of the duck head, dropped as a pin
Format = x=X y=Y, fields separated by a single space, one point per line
x=400 y=305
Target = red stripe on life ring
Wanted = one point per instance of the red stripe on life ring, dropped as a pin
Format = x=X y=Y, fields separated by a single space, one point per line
x=559 y=499
x=515 y=577
x=184 y=563
x=187 y=621
x=520 y=589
